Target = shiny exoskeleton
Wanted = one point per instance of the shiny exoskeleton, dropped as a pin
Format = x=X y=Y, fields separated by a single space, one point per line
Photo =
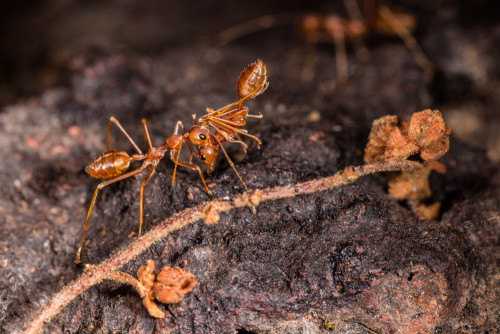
x=252 y=80
x=202 y=143
x=226 y=123
x=109 y=164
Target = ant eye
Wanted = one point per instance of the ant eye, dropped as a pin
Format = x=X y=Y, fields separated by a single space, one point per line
x=203 y=137
x=203 y=157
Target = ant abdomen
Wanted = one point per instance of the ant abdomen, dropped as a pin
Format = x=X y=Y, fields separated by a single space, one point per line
x=109 y=164
x=252 y=80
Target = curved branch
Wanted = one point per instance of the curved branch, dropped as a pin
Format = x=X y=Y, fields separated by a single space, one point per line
x=208 y=212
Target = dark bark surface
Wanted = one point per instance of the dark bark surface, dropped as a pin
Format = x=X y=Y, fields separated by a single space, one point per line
x=351 y=255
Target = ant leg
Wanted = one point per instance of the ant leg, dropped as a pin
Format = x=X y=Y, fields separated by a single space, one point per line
x=191 y=152
x=193 y=166
x=230 y=113
x=238 y=103
x=177 y=126
x=147 y=135
x=255 y=25
x=228 y=122
x=255 y=116
x=355 y=15
x=308 y=68
x=231 y=163
x=407 y=38
x=228 y=139
x=177 y=161
x=148 y=175
x=225 y=114
x=224 y=109
x=334 y=27
x=112 y=119
x=239 y=141
x=239 y=138
x=353 y=10
x=100 y=186
x=235 y=130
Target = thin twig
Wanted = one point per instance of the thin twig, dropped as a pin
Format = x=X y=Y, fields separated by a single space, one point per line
x=207 y=211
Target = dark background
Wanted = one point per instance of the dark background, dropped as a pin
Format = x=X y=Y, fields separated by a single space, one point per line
x=38 y=40
x=350 y=255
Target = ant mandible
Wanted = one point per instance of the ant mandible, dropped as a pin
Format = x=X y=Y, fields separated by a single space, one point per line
x=113 y=165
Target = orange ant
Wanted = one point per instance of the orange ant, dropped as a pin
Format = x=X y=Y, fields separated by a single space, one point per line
x=319 y=28
x=333 y=28
x=202 y=143
x=225 y=121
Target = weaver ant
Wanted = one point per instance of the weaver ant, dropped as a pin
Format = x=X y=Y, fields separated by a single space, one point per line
x=316 y=28
x=336 y=29
x=225 y=121
x=203 y=144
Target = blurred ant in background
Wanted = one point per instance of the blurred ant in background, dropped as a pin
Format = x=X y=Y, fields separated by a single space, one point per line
x=332 y=28
x=202 y=143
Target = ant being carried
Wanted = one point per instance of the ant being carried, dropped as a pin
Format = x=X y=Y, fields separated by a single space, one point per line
x=226 y=123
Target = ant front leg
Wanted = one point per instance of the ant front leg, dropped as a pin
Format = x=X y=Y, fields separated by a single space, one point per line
x=358 y=26
x=113 y=120
x=231 y=162
x=147 y=135
x=195 y=167
x=403 y=32
x=141 y=201
x=335 y=29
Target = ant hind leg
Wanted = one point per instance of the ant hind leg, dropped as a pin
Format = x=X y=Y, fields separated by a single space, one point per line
x=92 y=202
x=113 y=120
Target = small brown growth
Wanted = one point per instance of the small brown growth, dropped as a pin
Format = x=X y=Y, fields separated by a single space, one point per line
x=145 y=274
x=211 y=214
x=172 y=284
x=424 y=134
x=95 y=274
x=429 y=212
x=168 y=287
x=377 y=140
x=409 y=186
x=413 y=185
x=255 y=198
x=399 y=145
x=428 y=130
x=147 y=278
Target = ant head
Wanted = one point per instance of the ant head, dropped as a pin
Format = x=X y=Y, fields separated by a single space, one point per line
x=199 y=136
x=174 y=141
x=208 y=155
